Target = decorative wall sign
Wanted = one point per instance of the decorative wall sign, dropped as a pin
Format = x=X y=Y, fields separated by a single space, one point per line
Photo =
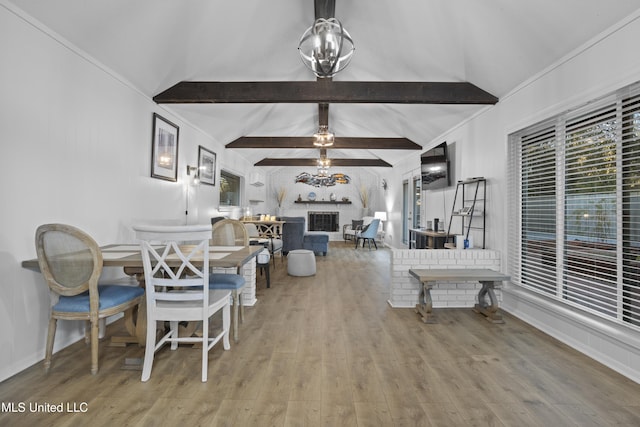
x=164 y=149
x=323 y=180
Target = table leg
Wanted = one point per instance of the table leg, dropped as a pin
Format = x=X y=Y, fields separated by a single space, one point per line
x=135 y=319
x=490 y=311
x=425 y=304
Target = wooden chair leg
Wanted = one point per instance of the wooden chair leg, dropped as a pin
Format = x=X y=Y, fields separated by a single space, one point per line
x=51 y=334
x=235 y=315
x=95 y=339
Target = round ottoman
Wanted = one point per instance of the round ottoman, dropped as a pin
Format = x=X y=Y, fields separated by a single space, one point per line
x=301 y=262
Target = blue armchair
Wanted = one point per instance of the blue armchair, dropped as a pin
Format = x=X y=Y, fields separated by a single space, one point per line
x=368 y=234
x=295 y=237
x=292 y=233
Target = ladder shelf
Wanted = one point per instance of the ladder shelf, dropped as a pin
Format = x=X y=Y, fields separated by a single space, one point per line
x=468 y=210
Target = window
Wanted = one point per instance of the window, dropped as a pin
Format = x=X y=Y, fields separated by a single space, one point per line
x=229 y=189
x=417 y=194
x=574 y=189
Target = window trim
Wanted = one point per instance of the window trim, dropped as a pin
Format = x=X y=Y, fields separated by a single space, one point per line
x=560 y=122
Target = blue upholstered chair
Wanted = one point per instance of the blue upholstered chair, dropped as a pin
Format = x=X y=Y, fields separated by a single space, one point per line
x=234 y=283
x=295 y=237
x=71 y=263
x=292 y=233
x=368 y=234
x=230 y=232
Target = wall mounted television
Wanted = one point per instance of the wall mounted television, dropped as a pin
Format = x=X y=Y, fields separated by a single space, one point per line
x=435 y=168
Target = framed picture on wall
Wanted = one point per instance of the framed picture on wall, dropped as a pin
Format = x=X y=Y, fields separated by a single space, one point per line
x=206 y=166
x=164 y=149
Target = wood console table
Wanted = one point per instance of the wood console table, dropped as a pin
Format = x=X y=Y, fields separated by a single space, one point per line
x=488 y=279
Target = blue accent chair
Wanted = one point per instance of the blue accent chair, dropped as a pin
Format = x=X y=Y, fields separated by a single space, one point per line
x=295 y=237
x=368 y=234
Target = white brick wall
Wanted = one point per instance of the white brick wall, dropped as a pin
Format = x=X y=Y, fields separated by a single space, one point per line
x=405 y=289
x=249 y=273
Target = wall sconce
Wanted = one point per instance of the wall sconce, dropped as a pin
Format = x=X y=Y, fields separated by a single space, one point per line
x=196 y=174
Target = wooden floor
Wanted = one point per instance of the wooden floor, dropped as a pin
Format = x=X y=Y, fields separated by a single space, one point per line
x=328 y=350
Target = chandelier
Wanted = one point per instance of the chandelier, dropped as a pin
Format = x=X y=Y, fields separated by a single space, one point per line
x=323 y=138
x=323 y=164
x=326 y=47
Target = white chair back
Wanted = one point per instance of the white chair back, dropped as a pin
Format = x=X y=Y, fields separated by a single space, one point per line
x=167 y=263
x=176 y=272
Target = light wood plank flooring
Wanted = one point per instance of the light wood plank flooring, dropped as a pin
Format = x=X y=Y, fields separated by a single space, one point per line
x=329 y=351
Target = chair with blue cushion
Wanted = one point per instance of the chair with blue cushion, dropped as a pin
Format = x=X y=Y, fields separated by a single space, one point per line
x=233 y=283
x=368 y=234
x=295 y=236
x=292 y=234
x=230 y=232
x=71 y=263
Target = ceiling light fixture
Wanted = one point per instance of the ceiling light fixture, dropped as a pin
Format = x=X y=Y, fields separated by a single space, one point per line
x=326 y=47
x=323 y=138
x=323 y=162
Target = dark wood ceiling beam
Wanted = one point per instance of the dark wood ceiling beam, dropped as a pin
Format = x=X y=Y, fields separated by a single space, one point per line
x=323 y=114
x=308 y=162
x=325 y=91
x=324 y=8
x=339 y=143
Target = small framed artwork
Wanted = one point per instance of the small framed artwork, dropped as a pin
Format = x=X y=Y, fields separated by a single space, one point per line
x=164 y=149
x=206 y=166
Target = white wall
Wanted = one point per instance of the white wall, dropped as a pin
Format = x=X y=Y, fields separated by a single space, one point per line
x=76 y=149
x=599 y=67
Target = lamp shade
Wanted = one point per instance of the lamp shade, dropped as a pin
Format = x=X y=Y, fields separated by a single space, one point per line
x=381 y=215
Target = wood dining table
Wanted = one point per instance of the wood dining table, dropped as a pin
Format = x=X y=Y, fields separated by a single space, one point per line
x=129 y=257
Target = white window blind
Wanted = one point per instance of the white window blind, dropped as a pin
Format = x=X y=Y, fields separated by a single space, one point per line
x=574 y=191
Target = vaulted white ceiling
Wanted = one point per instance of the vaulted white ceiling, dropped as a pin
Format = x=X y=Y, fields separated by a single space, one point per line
x=494 y=44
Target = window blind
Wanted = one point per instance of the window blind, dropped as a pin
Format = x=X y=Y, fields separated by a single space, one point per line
x=574 y=205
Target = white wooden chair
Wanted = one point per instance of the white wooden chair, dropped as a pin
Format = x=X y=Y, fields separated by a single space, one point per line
x=177 y=287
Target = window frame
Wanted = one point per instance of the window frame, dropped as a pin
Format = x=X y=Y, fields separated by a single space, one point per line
x=591 y=268
x=237 y=198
